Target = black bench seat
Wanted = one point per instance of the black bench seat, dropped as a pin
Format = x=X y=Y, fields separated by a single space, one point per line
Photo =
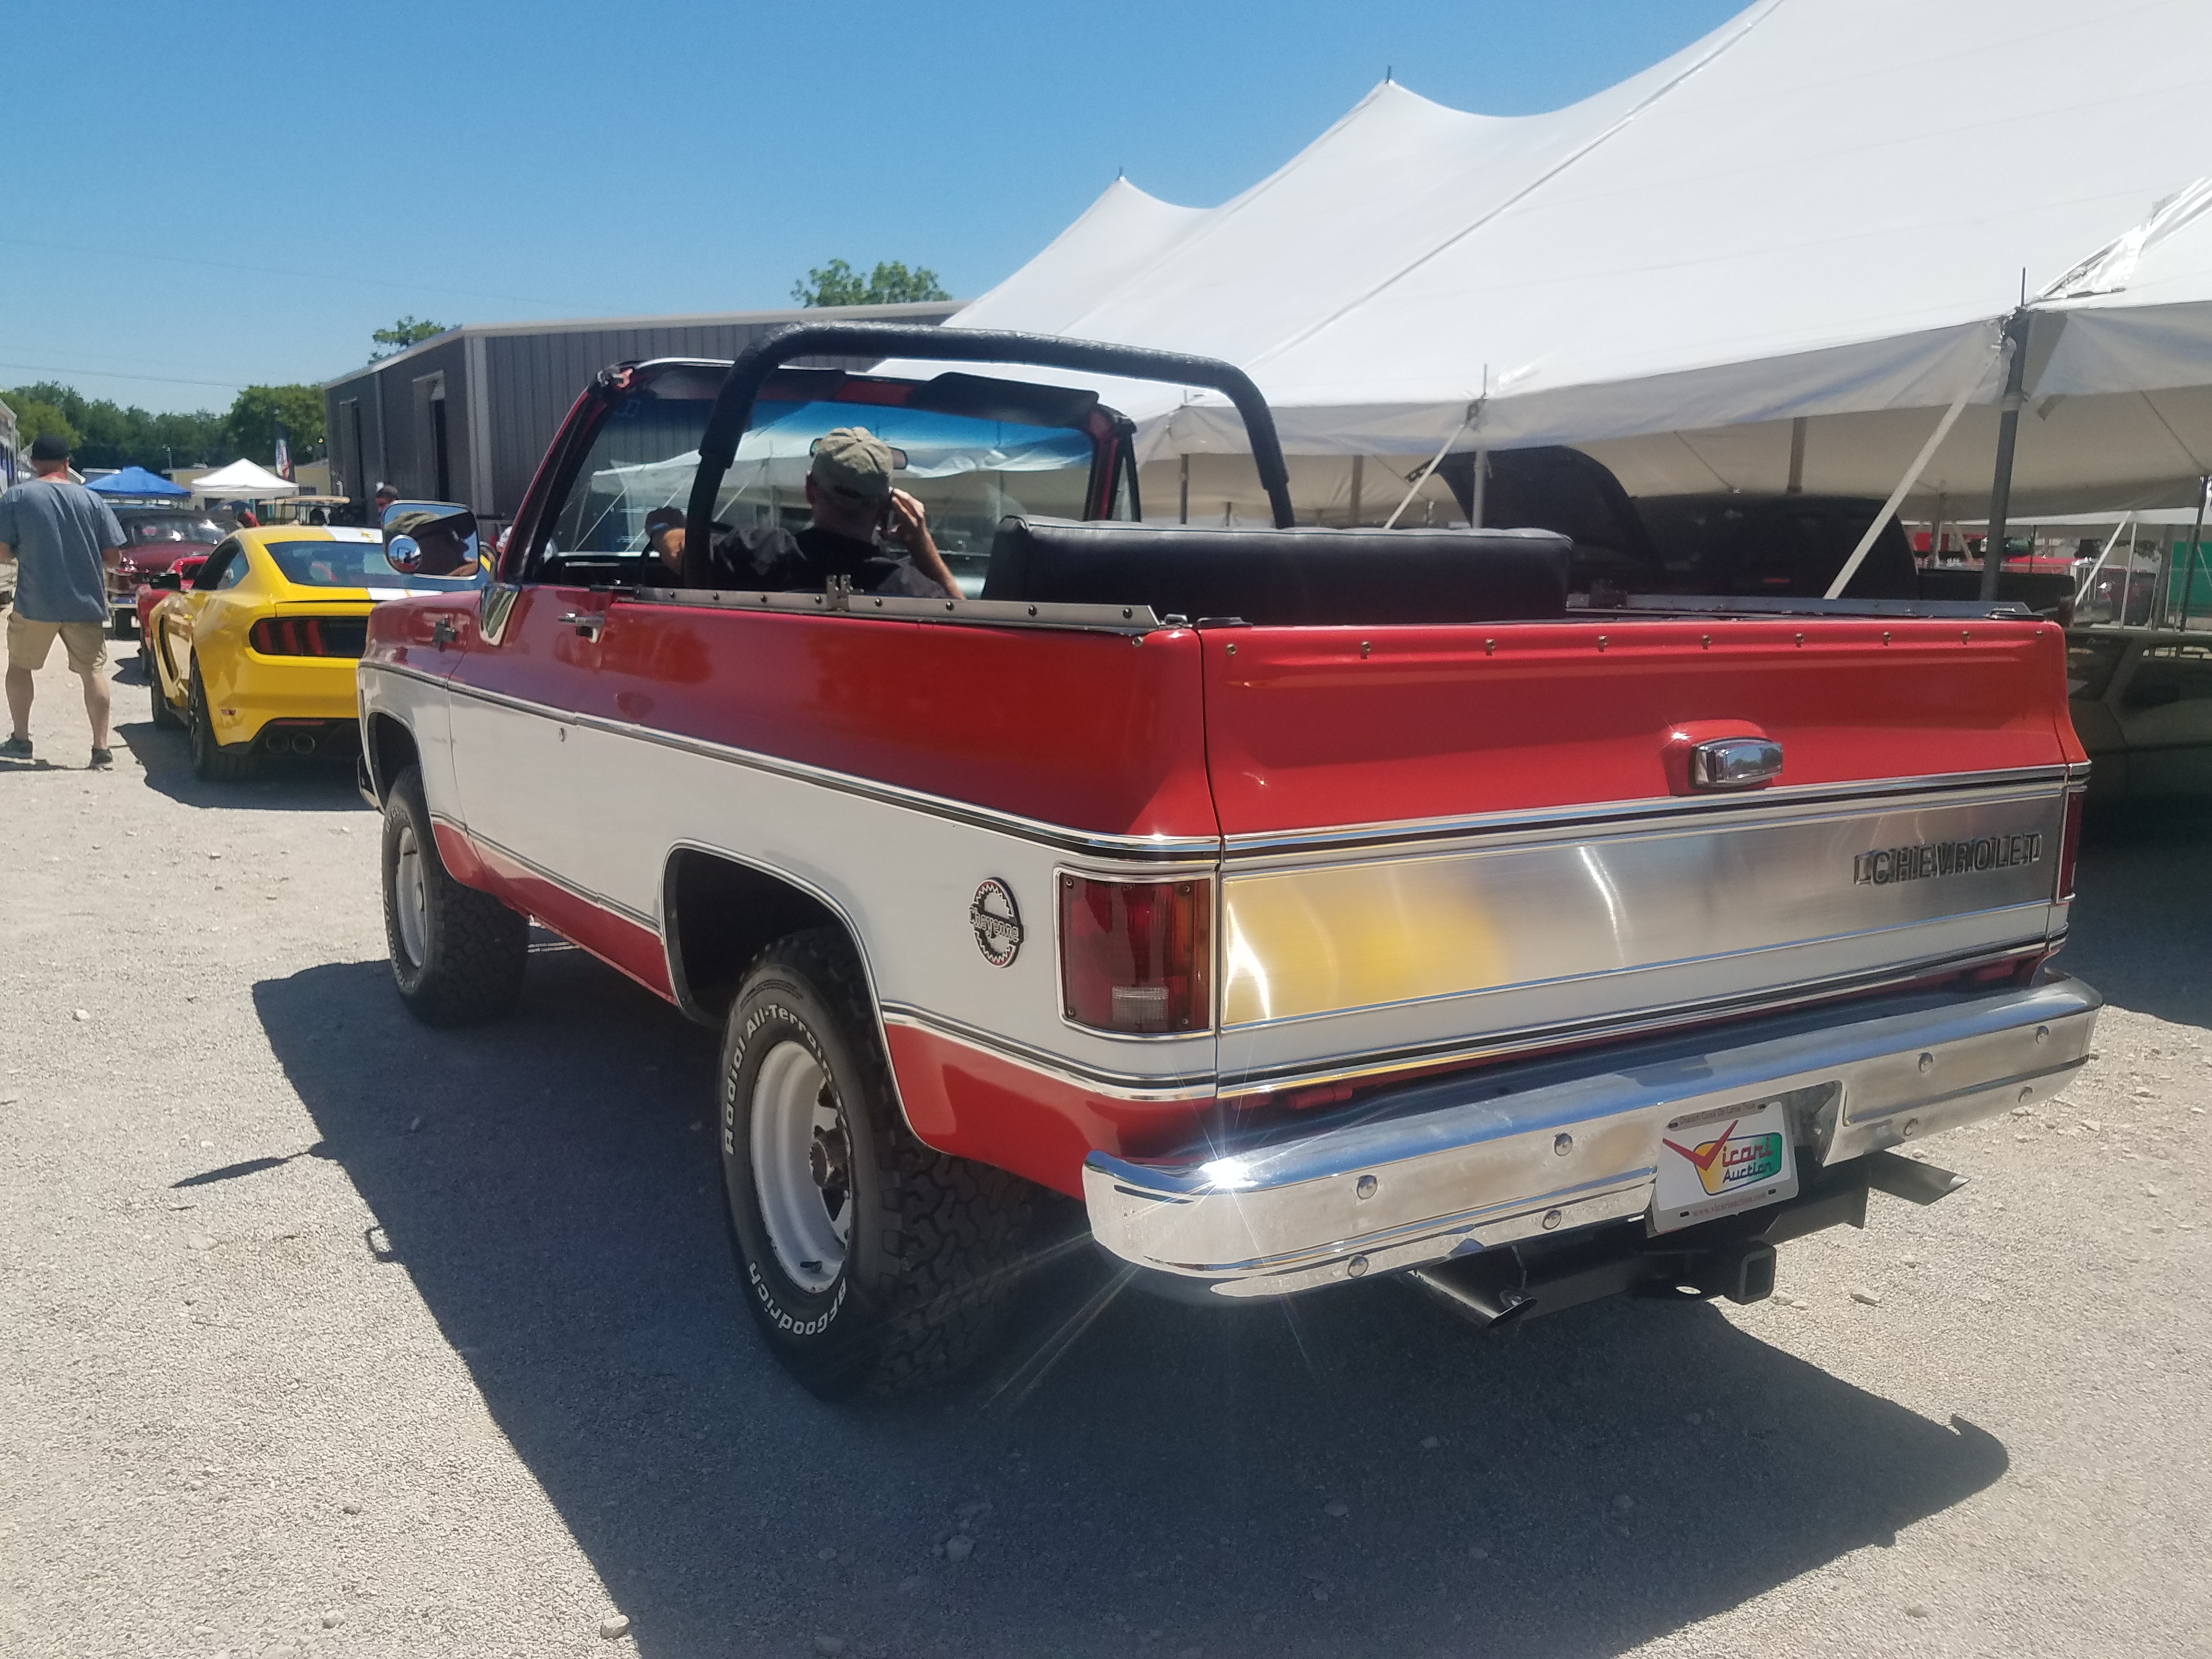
x=1311 y=576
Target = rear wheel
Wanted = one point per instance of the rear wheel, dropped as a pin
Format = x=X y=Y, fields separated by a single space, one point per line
x=872 y=1263
x=212 y=762
x=457 y=954
x=165 y=717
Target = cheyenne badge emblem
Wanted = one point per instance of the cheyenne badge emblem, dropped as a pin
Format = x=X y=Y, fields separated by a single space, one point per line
x=997 y=922
x=1945 y=858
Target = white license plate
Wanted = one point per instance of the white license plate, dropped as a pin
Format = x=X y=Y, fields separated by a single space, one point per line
x=1716 y=1163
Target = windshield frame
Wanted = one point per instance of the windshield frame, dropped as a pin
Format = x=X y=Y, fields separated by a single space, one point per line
x=1109 y=433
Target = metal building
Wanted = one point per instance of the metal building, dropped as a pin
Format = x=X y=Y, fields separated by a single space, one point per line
x=465 y=416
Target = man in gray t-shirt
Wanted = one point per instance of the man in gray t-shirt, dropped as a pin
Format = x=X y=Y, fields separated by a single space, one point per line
x=63 y=540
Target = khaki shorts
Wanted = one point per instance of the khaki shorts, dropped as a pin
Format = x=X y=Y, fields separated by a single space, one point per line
x=29 y=641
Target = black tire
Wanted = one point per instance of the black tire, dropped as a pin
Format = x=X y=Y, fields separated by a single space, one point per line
x=119 y=625
x=923 y=1286
x=463 y=964
x=212 y=762
x=165 y=717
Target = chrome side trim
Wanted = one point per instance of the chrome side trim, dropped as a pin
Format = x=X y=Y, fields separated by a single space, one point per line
x=598 y=901
x=1149 y=849
x=1407 y=831
x=1116 y=1085
x=1469 y=1165
x=993 y=613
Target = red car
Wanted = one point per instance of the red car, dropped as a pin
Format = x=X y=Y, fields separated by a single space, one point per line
x=154 y=538
x=180 y=574
x=1311 y=906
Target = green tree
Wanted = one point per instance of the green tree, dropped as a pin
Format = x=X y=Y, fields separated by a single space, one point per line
x=407 y=332
x=36 y=418
x=105 y=433
x=250 y=426
x=890 y=284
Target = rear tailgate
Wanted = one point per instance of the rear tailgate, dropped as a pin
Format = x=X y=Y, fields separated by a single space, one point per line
x=1447 y=843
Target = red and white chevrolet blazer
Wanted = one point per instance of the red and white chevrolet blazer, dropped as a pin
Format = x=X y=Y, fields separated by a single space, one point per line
x=1310 y=904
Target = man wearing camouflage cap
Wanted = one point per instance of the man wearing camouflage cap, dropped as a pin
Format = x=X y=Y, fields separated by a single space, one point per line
x=441 y=541
x=855 y=509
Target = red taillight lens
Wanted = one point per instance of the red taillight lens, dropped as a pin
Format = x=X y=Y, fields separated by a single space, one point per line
x=286 y=636
x=2070 y=848
x=1137 y=956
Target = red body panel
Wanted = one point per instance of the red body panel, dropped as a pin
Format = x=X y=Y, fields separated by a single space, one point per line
x=972 y=1104
x=1318 y=727
x=1084 y=730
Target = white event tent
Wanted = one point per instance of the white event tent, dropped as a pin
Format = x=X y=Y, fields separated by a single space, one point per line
x=242 y=480
x=1801 y=237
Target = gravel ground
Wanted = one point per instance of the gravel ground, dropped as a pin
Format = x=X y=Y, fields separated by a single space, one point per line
x=322 y=1334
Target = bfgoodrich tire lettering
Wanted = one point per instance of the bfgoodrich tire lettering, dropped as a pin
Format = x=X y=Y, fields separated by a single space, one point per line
x=457 y=954
x=931 y=1245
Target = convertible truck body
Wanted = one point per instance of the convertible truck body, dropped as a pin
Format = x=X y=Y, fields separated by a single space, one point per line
x=1544 y=951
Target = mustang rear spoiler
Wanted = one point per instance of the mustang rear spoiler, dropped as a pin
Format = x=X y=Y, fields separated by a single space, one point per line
x=733 y=403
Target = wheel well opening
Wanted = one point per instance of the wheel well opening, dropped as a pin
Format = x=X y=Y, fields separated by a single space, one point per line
x=391 y=752
x=719 y=915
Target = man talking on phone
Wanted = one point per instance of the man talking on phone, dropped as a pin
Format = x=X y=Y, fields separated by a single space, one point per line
x=859 y=517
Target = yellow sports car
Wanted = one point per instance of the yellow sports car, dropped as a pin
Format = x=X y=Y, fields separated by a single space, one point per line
x=254 y=654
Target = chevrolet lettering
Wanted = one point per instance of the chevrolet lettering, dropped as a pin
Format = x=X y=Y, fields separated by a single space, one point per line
x=1945 y=858
x=1415 y=912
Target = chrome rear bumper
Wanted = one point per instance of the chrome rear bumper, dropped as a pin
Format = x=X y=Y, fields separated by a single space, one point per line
x=1485 y=1159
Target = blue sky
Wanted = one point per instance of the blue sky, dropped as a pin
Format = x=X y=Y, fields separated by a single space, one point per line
x=210 y=195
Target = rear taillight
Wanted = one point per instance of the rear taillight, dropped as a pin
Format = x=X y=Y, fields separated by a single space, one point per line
x=309 y=636
x=2070 y=848
x=1137 y=956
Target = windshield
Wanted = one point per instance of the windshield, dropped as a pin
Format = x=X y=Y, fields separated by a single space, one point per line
x=162 y=528
x=357 y=564
x=968 y=471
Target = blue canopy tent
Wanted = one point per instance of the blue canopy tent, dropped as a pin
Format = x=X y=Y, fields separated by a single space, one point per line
x=137 y=481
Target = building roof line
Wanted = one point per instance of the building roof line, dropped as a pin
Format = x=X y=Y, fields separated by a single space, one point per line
x=698 y=320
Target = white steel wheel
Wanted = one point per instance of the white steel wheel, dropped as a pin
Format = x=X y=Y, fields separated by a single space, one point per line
x=410 y=897
x=802 y=1166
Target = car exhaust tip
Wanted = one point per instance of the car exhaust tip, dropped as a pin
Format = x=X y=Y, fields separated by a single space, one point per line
x=1476 y=1291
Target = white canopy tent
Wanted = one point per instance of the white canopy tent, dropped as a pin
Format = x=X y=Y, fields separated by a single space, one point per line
x=1825 y=211
x=241 y=481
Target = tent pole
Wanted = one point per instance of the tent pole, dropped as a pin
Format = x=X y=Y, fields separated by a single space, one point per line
x=1797 y=486
x=1183 y=511
x=1359 y=478
x=2196 y=543
x=2127 y=587
x=1482 y=488
x=1993 y=544
x=1897 y=497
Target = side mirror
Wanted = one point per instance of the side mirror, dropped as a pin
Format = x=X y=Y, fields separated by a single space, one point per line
x=429 y=538
x=168 y=578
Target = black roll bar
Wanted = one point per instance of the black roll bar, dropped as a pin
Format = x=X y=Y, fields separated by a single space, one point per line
x=733 y=403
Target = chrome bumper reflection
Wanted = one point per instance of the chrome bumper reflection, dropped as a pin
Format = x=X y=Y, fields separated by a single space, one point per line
x=1505 y=1155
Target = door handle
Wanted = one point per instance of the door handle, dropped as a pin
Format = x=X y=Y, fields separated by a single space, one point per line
x=589 y=623
x=442 y=632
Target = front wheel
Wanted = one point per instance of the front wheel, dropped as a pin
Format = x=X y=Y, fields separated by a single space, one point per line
x=870 y=1262
x=457 y=954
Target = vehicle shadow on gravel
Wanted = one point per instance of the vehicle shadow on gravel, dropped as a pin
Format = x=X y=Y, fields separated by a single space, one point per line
x=1347 y=1474
x=284 y=785
x=2143 y=909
